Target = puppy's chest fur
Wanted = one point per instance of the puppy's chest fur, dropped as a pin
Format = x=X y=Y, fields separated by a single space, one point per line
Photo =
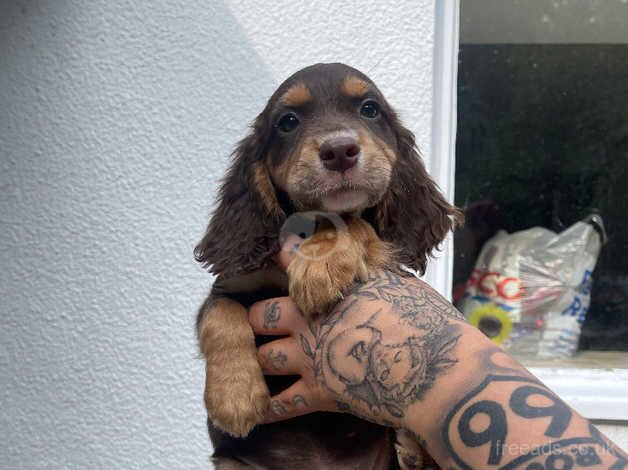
x=254 y=286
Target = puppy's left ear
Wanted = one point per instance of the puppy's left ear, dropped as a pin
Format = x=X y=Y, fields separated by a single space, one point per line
x=413 y=214
x=243 y=232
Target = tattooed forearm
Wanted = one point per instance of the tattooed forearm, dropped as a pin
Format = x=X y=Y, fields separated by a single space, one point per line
x=512 y=421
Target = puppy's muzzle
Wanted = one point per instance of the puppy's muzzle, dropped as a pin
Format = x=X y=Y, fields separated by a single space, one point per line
x=339 y=153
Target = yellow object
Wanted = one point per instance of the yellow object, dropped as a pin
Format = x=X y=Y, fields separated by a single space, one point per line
x=493 y=321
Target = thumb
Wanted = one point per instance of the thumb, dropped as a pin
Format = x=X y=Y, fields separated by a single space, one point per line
x=289 y=247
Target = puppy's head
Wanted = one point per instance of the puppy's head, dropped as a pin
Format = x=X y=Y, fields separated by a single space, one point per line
x=334 y=145
x=327 y=140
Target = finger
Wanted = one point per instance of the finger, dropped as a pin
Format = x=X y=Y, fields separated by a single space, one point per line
x=294 y=401
x=280 y=357
x=278 y=316
x=288 y=250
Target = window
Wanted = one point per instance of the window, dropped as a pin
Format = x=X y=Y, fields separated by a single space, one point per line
x=542 y=141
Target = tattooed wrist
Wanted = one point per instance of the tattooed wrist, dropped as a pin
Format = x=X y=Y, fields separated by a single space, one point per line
x=508 y=419
x=515 y=422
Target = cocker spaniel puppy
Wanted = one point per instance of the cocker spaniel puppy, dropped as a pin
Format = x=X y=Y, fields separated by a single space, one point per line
x=326 y=144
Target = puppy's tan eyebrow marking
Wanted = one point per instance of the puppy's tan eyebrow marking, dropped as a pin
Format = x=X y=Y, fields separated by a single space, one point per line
x=297 y=95
x=354 y=87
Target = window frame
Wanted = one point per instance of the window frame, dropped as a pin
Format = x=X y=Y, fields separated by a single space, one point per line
x=597 y=392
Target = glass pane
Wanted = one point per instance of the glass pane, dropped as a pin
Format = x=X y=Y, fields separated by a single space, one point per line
x=543 y=143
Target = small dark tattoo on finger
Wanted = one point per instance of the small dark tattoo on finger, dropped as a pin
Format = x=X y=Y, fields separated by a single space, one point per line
x=278 y=408
x=277 y=359
x=299 y=401
x=272 y=315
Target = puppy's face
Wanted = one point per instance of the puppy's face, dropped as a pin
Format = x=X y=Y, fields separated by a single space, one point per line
x=327 y=140
x=332 y=144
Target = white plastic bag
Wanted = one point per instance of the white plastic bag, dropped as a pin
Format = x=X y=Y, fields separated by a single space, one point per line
x=530 y=290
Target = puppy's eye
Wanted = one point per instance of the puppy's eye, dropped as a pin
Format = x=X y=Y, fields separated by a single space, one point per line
x=288 y=122
x=369 y=109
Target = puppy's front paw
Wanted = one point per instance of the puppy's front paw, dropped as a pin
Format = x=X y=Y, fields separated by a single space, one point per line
x=236 y=401
x=324 y=268
x=236 y=395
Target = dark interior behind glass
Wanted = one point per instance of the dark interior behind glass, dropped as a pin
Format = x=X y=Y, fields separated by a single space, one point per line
x=543 y=141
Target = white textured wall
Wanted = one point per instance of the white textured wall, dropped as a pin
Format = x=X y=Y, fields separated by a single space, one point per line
x=116 y=118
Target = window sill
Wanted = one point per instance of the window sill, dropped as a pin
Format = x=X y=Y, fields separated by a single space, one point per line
x=594 y=383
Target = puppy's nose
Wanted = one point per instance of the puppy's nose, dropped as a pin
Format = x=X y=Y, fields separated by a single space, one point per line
x=339 y=154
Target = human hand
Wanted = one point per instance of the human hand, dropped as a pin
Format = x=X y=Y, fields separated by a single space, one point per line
x=374 y=355
x=396 y=353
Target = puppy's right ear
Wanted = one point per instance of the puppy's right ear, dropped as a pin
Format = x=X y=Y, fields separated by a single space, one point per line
x=243 y=232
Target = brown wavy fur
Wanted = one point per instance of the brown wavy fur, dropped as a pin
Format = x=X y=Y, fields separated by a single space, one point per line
x=413 y=215
x=244 y=229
